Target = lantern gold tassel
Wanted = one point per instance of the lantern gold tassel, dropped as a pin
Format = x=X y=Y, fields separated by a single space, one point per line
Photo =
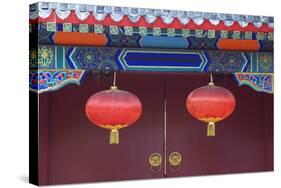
x=211 y=129
x=114 y=136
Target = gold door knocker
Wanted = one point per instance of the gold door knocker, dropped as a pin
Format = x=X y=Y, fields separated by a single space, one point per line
x=175 y=161
x=155 y=161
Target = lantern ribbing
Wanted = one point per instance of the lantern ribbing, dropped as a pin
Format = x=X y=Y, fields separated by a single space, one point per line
x=210 y=104
x=113 y=109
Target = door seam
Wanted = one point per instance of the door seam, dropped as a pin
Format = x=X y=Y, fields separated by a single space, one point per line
x=165 y=129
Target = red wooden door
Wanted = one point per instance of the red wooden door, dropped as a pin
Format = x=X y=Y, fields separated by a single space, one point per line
x=75 y=151
x=243 y=141
x=72 y=150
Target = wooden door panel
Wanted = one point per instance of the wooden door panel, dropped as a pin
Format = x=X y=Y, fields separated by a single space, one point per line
x=243 y=141
x=80 y=152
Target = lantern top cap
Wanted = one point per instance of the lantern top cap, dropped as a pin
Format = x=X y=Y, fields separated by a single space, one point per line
x=113 y=88
x=211 y=84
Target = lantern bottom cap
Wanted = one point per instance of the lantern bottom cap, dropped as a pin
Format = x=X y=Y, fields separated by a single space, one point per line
x=114 y=136
x=211 y=130
x=113 y=87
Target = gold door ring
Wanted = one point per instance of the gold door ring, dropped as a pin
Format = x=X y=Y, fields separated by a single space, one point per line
x=155 y=161
x=175 y=160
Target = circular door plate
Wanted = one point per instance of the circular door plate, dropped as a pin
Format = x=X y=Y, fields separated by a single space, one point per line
x=175 y=159
x=155 y=159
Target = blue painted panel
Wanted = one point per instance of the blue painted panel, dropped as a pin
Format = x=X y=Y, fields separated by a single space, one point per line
x=162 y=59
x=161 y=41
x=60 y=60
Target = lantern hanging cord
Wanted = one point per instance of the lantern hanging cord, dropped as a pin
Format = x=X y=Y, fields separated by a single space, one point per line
x=211 y=83
x=114 y=81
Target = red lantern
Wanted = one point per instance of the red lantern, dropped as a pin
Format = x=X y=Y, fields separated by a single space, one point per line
x=210 y=104
x=113 y=109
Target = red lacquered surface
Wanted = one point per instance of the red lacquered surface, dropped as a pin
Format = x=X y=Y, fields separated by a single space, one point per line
x=243 y=141
x=74 y=151
x=80 y=152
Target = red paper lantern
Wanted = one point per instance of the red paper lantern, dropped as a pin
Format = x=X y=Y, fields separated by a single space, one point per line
x=113 y=109
x=210 y=104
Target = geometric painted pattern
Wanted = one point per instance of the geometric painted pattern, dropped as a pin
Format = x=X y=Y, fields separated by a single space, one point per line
x=155 y=31
x=227 y=61
x=46 y=57
x=51 y=80
x=203 y=43
x=262 y=82
x=88 y=58
x=33 y=58
x=180 y=40
x=265 y=62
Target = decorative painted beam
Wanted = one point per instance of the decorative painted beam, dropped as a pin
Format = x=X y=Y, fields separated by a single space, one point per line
x=62 y=65
x=145 y=59
x=67 y=40
x=142 y=37
x=52 y=80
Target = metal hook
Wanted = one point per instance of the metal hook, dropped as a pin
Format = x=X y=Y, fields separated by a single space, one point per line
x=114 y=78
x=211 y=83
